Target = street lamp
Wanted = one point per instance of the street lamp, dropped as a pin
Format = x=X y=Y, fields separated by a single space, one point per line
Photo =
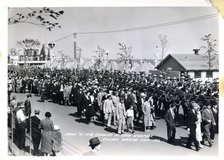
x=50 y=47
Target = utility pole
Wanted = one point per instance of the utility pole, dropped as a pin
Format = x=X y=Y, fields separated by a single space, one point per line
x=49 y=56
x=75 y=48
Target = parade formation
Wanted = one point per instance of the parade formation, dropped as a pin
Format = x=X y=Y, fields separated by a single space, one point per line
x=112 y=80
x=120 y=99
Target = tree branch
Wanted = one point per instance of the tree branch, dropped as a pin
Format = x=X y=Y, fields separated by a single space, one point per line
x=28 y=23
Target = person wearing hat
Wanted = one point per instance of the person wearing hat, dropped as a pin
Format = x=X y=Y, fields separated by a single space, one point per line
x=107 y=109
x=27 y=105
x=115 y=99
x=121 y=115
x=94 y=143
x=11 y=113
x=192 y=119
x=35 y=131
x=207 y=121
x=170 y=123
x=198 y=124
x=80 y=101
x=100 y=100
x=47 y=128
x=147 y=112
x=20 y=126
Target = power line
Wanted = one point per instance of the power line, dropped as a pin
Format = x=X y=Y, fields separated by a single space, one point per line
x=144 y=27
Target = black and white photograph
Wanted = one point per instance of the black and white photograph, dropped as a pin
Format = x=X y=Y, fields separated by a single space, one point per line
x=113 y=81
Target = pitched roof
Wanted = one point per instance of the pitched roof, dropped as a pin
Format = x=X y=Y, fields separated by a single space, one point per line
x=193 y=62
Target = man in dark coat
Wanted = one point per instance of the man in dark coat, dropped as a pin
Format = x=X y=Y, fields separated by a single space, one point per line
x=23 y=89
x=170 y=123
x=80 y=100
x=192 y=118
x=94 y=143
x=27 y=105
x=54 y=92
x=43 y=91
x=207 y=121
x=74 y=91
x=36 y=132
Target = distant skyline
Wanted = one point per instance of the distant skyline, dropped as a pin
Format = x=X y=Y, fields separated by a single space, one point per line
x=182 y=38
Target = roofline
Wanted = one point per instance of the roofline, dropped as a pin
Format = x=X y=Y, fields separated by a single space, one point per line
x=193 y=70
x=169 y=55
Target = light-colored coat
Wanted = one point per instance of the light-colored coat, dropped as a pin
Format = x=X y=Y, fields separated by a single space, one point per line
x=108 y=106
x=121 y=112
x=47 y=127
x=146 y=108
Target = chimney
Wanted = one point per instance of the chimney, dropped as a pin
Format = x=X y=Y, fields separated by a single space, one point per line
x=196 y=51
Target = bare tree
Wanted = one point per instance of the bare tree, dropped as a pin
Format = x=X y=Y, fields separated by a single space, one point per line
x=163 y=45
x=100 y=57
x=27 y=44
x=210 y=50
x=13 y=52
x=64 y=59
x=125 y=55
x=37 y=16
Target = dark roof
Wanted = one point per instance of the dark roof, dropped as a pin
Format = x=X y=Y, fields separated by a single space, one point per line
x=193 y=61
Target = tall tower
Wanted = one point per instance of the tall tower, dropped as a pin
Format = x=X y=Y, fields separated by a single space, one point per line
x=75 y=46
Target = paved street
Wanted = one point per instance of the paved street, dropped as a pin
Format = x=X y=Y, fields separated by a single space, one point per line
x=76 y=135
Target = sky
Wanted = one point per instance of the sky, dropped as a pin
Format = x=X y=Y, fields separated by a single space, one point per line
x=182 y=38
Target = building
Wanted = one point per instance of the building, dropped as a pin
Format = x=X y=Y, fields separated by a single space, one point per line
x=195 y=65
x=32 y=57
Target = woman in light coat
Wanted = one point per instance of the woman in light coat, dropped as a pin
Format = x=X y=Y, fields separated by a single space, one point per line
x=47 y=128
x=198 y=125
x=148 y=117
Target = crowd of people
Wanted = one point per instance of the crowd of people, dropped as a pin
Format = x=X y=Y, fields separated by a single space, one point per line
x=127 y=100
x=41 y=132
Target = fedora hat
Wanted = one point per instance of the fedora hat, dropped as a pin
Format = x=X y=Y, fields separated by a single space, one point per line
x=36 y=111
x=94 y=141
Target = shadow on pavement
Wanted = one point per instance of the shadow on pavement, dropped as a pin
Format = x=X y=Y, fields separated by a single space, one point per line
x=178 y=142
x=40 y=101
x=181 y=142
x=111 y=130
x=139 y=128
x=98 y=123
x=73 y=114
x=158 y=138
x=82 y=121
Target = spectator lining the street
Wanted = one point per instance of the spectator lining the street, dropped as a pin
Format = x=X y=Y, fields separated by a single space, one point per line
x=95 y=145
x=57 y=141
x=47 y=128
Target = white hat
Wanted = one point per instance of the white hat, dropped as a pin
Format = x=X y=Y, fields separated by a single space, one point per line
x=143 y=95
x=56 y=127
